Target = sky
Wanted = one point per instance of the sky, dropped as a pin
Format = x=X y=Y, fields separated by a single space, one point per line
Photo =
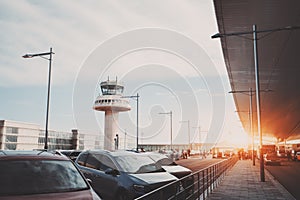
x=161 y=50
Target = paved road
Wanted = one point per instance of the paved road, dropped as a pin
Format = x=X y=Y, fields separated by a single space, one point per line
x=195 y=163
x=288 y=174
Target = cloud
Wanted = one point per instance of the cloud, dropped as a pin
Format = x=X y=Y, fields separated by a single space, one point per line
x=74 y=29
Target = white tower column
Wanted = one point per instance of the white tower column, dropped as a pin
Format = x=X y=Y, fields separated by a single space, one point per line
x=111 y=129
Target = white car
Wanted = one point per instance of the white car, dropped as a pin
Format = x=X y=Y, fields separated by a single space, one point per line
x=171 y=167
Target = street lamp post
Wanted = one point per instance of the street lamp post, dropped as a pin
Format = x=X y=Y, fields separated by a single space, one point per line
x=199 y=129
x=257 y=85
x=201 y=147
x=189 y=134
x=125 y=139
x=251 y=125
x=171 y=134
x=49 y=81
x=136 y=97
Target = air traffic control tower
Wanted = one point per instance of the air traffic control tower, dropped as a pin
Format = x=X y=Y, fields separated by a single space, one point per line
x=111 y=102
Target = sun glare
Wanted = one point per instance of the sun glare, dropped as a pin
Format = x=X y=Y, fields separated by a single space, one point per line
x=235 y=139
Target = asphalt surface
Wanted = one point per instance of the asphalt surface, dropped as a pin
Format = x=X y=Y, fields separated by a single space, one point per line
x=288 y=175
x=195 y=163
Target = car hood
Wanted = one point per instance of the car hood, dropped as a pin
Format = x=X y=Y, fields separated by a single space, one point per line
x=78 y=195
x=176 y=169
x=156 y=177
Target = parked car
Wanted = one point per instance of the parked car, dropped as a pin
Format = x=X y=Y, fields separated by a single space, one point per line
x=298 y=156
x=194 y=152
x=271 y=159
x=122 y=174
x=172 y=154
x=170 y=166
x=72 y=154
x=41 y=175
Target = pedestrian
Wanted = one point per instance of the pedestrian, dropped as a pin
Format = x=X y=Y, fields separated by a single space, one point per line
x=183 y=153
x=289 y=155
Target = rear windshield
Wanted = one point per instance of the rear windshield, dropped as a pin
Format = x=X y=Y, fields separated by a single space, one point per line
x=38 y=177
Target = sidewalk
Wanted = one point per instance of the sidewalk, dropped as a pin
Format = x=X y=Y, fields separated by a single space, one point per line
x=243 y=182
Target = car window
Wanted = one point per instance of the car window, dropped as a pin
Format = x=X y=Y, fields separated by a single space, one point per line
x=100 y=162
x=75 y=153
x=24 y=177
x=82 y=159
x=93 y=162
x=107 y=163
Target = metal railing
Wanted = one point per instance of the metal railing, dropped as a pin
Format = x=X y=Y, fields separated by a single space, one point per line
x=197 y=185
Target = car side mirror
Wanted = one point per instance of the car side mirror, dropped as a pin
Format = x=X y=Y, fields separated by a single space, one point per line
x=111 y=171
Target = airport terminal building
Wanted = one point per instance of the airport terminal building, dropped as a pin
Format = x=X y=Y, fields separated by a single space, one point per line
x=27 y=136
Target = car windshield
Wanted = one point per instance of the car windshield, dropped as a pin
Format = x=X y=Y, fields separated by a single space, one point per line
x=24 y=177
x=137 y=164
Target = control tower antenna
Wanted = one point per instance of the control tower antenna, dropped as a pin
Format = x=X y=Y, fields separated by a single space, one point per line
x=111 y=102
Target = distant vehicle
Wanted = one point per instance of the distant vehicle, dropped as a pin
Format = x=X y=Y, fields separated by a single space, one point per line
x=122 y=174
x=269 y=148
x=41 y=175
x=298 y=156
x=172 y=154
x=194 y=152
x=271 y=159
x=72 y=154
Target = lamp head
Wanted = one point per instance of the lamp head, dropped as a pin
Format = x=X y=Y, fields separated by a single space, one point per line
x=27 y=56
x=217 y=35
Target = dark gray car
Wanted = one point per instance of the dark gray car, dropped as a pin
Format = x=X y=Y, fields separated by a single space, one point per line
x=123 y=174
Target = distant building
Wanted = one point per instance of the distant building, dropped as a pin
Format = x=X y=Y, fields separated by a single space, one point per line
x=27 y=136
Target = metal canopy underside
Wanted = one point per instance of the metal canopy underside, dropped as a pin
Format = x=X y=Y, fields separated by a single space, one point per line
x=278 y=61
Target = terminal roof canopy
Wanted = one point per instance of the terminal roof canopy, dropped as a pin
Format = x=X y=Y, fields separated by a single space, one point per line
x=278 y=61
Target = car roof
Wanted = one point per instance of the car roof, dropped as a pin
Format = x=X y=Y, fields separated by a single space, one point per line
x=69 y=150
x=30 y=154
x=112 y=153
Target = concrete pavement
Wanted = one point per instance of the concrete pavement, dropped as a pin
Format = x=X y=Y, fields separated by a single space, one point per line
x=243 y=182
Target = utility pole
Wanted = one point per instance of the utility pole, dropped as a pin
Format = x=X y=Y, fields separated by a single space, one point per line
x=171 y=134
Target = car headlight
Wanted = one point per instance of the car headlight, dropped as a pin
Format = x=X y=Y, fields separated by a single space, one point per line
x=139 y=188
